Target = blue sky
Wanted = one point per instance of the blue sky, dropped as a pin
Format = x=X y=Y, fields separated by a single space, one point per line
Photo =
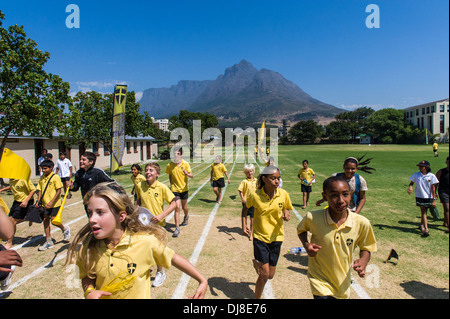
x=323 y=46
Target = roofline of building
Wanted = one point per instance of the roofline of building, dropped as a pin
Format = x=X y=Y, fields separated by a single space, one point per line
x=425 y=104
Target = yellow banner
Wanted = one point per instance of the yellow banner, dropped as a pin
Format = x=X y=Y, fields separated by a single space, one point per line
x=118 y=131
x=262 y=141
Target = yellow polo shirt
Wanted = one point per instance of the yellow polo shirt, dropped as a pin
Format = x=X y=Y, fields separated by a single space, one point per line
x=329 y=272
x=53 y=186
x=153 y=197
x=268 y=220
x=247 y=187
x=128 y=265
x=137 y=179
x=179 y=180
x=218 y=170
x=21 y=189
x=307 y=175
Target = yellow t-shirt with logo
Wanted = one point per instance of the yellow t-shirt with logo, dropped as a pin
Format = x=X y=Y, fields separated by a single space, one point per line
x=53 y=186
x=306 y=174
x=21 y=189
x=268 y=220
x=329 y=272
x=247 y=187
x=153 y=196
x=128 y=265
x=179 y=180
x=218 y=171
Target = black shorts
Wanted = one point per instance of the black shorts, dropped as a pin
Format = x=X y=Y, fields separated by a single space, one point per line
x=444 y=198
x=52 y=212
x=18 y=212
x=248 y=211
x=183 y=195
x=424 y=202
x=65 y=179
x=267 y=253
x=306 y=189
x=220 y=183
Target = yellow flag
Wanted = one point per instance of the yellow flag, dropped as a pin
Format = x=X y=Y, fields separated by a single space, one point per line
x=13 y=166
x=261 y=139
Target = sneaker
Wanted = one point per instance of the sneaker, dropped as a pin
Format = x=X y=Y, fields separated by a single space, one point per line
x=47 y=245
x=176 y=233
x=4 y=284
x=159 y=278
x=66 y=233
x=185 y=221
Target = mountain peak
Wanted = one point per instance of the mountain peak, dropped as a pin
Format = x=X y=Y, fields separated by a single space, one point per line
x=243 y=67
x=241 y=95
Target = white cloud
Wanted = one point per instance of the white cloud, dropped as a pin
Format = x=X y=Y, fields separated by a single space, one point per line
x=138 y=96
x=98 y=86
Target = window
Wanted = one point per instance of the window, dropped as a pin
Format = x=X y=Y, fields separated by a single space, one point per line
x=442 y=124
x=442 y=106
x=428 y=110
x=433 y=109
x=423 y=110
x=417 y=112
x=95 y=148
x=128 y=148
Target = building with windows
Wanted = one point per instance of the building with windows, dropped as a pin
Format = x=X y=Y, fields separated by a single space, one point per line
x=162 y=124
x=432 y=116
x=137 y=150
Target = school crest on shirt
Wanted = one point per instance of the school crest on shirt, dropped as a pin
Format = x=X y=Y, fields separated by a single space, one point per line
x=131 y=268
x=349 y=242
x=156 y=194
x=280 y=205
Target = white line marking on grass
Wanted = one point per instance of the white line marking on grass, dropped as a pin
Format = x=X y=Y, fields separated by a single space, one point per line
x=24 y=279
x=184 y=280
x=39 y=270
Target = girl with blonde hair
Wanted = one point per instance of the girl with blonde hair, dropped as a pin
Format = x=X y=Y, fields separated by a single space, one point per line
x=115 y=251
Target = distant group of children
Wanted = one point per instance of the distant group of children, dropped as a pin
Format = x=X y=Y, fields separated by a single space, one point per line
x=116 y=250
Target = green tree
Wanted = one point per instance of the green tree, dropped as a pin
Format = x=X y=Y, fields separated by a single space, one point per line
x=186 y=120
x=306 y=132
x=31 y=100
x=388 y=126
x=90 y=118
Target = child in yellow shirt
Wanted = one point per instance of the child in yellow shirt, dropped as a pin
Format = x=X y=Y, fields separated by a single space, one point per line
x=218 y=170
x=307 y=176
x=272 y=205
x=247 y=187
x=23 y=192
x=51 y=201
x=336 y=232
x=117 y=251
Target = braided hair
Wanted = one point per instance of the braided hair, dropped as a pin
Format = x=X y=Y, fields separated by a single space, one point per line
x=360 y=164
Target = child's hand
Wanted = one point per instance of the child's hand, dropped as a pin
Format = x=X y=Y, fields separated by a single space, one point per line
x=287 y=215
x=97 y=294
x=201 y=291
x=312 y=249
x=360 y=267
x=410 y=190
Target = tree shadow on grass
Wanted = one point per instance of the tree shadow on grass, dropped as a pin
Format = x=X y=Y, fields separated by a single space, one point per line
x=420 y=290
x=232 y=290
x=410 y=227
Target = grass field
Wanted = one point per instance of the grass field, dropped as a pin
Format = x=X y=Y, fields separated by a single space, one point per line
x=213 y=239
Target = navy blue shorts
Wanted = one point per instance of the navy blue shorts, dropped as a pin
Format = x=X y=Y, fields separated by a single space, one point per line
x=267 y=253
